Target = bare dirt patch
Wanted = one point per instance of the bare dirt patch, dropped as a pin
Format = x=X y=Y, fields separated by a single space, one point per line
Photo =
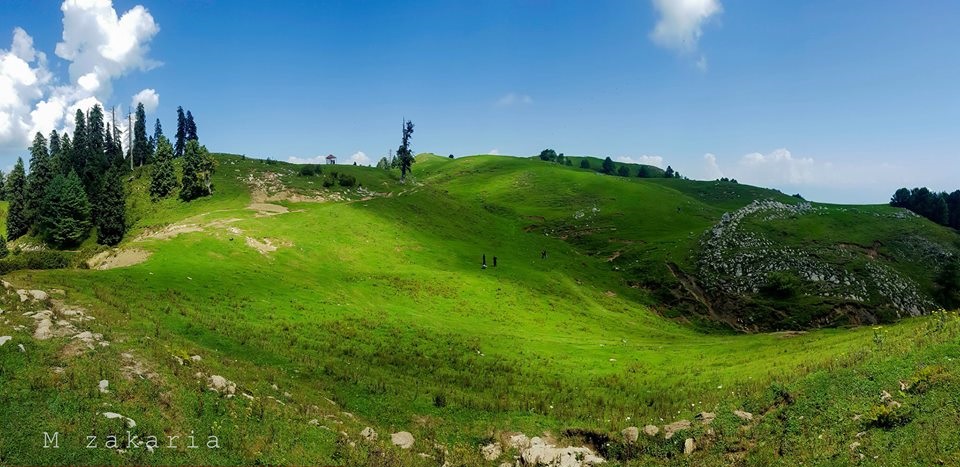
x=264 y=247
x=118 y=258
x=168 y=232
x=267 y=209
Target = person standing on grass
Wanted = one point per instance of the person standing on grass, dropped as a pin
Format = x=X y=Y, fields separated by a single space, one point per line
x=494 y=261
x=483 y=265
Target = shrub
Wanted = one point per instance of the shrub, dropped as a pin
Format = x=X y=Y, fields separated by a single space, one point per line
x=927 y=377
x=43 y=259
x=346 y=180
x=887 y=417
x=439 y=400
x=310 y=170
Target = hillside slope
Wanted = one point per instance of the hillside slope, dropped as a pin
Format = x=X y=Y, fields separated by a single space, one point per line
x=315 y=312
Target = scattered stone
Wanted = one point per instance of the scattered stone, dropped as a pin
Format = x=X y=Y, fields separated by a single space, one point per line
x=112 y=415
x=680 y=425
x=904 y=386
x=854 y=445
x=195 y=358
x=651 y=430
x=314 y=422
x=519 y=441
x=369 y=434
x=540 y=452
x=689 y=446
x=4 y=339
x=402 y=439
x=491 y=452
x=706 y=417
x=885 y=396
x=22 y=349
x=103 y=386
x=630 y=434
x=222 y=385
x=743 y=415
x=43 y=331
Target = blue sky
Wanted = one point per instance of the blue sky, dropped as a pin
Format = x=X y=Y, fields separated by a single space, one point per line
x=840 y=101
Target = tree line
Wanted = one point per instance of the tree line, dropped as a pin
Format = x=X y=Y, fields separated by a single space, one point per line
x=942 y=208
x=608 y=166
x=75 y=183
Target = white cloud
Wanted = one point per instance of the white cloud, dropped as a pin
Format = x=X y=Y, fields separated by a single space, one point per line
x=360 y=158
x=512 y=99
x=680 y=25
x=100 y=47
x=780 y=167
x=712 y=169
x=655 y=161
x=149 y=98
x=494 y=152
x=96 y=40
x=307 y=160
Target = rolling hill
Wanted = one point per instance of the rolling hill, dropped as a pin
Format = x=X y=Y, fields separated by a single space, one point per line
x=285 y=317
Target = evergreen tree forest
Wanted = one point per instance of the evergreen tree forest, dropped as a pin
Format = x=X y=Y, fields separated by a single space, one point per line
x=75 y=185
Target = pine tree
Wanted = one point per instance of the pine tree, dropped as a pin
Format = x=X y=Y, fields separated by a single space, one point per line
x=3 y=186
x=157 y=130
x=181 y=137
x=584 y=163
x=198 y=169
x=17 y=224
x=96 y=159
x=141 y=148
x=191 y=128
x=66 y=220
x=61 y=161
x=4 y=252
x=668 y=173
x=404 y=154
x=642 y=172
x=608 y=165
x=54 y=143
x=111 y=208
x=623 y=171
x=78 y=152
x=41 y=173
x=163 y=179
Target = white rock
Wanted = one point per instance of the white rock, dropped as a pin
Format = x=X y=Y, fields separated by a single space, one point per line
x=519 y=441
x=22 y=349
x=103 y=386
x=221 y=384
x=651 y=430
x=369 y=434
x=4 y=339
x=491 y=452
x=540 y=452
x=630 y=434
x=689 y=446
x=402 y=439
x=129 y=421
x=743 y=415
x=195 y=358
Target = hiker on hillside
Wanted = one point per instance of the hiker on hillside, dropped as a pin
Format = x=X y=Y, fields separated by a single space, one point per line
x=543 y=254
x=483 y=265
x=494 y=261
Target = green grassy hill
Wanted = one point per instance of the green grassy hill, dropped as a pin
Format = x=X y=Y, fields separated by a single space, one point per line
x=339 y=308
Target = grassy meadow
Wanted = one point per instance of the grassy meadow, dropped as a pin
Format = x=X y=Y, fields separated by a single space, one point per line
x=372 y=309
